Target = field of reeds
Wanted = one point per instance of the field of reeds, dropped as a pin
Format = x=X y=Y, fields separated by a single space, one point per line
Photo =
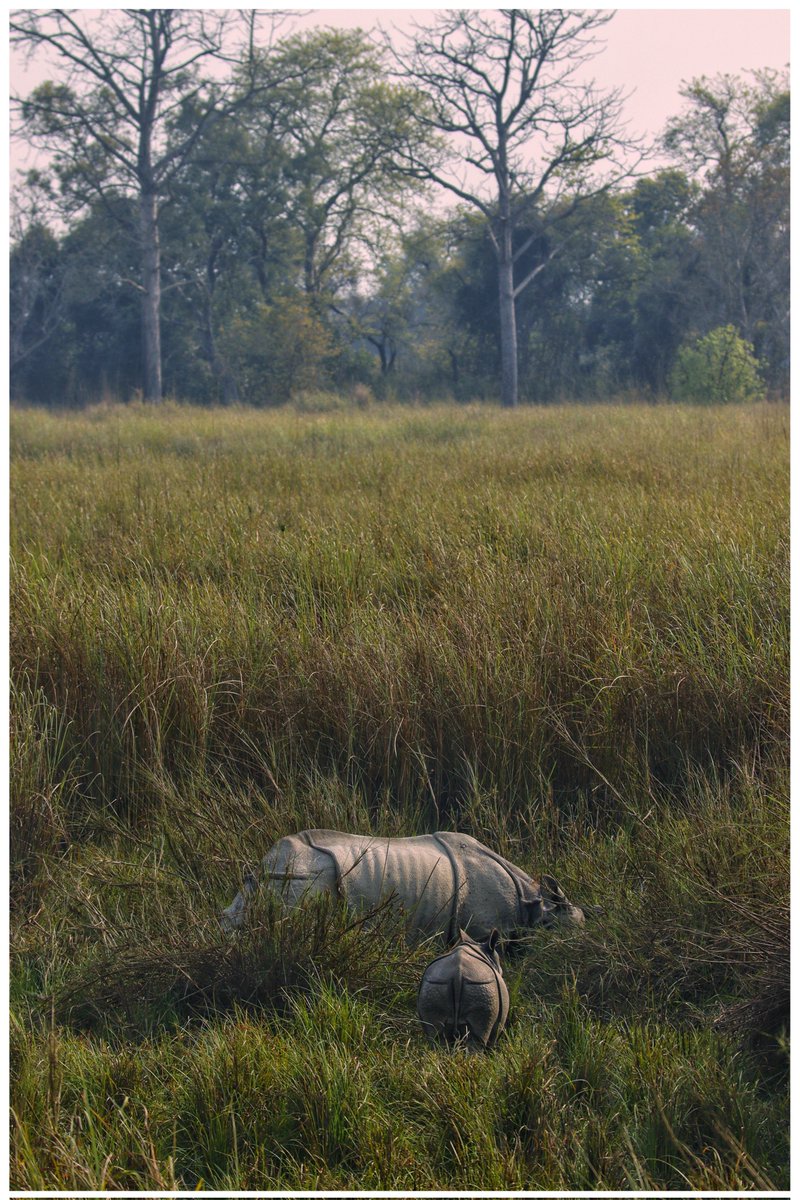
x=564 y=631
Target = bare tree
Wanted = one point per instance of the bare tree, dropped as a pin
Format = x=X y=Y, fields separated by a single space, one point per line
x=525 y=130
x=111 y=122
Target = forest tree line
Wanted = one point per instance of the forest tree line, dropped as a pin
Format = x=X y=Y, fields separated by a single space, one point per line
x=297 y=244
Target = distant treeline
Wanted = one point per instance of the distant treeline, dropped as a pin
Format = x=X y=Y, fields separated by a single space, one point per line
x=296 y=256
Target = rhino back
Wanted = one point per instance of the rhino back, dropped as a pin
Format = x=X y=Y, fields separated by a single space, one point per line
x=470 y=965
x=443 y=880
x=417 y=871
x=364 y=870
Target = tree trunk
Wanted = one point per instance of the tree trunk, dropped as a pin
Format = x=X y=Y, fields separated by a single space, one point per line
x=388 y=354
x=227 y=382
x=454 y=372
x=151 y=297
x=309 y=271
x=508 y=327
x=230 y=388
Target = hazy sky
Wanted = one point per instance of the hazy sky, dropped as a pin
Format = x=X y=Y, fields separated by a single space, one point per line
x=648 y=52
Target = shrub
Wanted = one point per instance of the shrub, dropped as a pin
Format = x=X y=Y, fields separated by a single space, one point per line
x=278 y=350
x=719 y=368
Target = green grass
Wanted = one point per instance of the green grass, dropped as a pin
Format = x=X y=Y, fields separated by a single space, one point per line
x=563 y=630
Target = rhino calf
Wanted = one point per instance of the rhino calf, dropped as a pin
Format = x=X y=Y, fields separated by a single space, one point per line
x=463 y=997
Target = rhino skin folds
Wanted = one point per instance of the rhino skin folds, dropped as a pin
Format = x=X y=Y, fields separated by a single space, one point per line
x=462 y=998
x=444 y=881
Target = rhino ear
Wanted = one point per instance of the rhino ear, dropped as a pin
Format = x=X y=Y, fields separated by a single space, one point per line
x=494 y=941
x=463 y=937
x=551 y=890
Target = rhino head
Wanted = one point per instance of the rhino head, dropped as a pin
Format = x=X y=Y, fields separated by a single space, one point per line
x=550 y=906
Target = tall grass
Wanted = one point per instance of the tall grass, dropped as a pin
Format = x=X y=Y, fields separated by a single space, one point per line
x=564 y=631
x=443 y=599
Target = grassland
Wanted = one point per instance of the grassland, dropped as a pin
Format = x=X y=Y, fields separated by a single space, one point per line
x=564 y=631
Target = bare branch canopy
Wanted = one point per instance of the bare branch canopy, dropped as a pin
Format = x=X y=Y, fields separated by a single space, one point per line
x=524 y=129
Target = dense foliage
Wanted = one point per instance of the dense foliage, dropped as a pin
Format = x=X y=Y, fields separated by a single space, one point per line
x=717 y=369
x=299 y=251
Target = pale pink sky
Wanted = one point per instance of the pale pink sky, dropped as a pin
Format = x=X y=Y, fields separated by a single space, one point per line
x=648 y=52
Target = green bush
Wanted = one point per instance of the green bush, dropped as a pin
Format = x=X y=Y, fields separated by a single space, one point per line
x=278 y=351
x=719 y=368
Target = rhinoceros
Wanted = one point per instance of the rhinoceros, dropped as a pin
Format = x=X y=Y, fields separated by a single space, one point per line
x=462 y=995
x=444 y=882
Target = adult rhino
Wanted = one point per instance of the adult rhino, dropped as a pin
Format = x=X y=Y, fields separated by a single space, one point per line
x=444 y=882
x=462 y=995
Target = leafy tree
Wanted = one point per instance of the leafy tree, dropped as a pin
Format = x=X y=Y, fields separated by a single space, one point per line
x=75 y=328
x=225 y=244
x=292 y=192
x=106 y=120
x=667 y=277
x=383 y=316
x=37 y=286
x=719 y=368
x=104 y=309
x=508 y=89
x=734 y=138
x=278 y=350
x=568 y=339
x=643 y=257
x=39 y=334
x=340 y=126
